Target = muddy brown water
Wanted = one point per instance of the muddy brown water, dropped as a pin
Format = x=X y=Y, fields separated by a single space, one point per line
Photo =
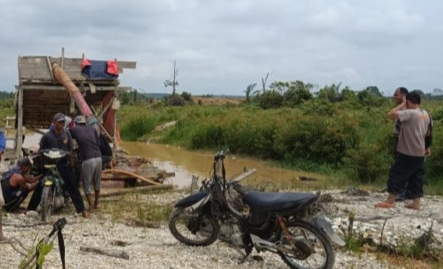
x=185 y=163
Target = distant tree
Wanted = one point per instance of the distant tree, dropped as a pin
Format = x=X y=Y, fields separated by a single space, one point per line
x=374 y=90
x=270 y=99
x=297 y=92
x=124 y=97
x=369 y=97
x=437 y=92
x=174 y=82
x=281 y=86
x=135 y=96
x=264 y=80
x=186 y=96
x=331 y=93
x=249 y=91
x=348 y=94
x=422 y=94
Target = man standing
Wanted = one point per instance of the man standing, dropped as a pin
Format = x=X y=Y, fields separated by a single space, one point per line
x=413 y=145
x=2 y=201
x=59 y=138
x=89 y=149
x=399 y=95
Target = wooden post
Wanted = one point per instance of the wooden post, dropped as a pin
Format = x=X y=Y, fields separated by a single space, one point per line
x=62 y=62
x=19 y=132
x=115 y=142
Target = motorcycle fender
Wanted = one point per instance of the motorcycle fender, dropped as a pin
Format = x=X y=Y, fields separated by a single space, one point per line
x=324 y=225
x=48 y=183
x=191 y=199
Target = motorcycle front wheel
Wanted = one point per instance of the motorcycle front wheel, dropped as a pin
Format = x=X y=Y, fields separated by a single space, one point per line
x=193 y=229
x=46 y=203
x=304 y=246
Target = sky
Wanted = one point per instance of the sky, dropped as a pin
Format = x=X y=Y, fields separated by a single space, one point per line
x=221 y=47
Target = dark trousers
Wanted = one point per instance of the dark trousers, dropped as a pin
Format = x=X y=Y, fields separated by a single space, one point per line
x=406 y=171
x=14 y=203
x=69 y=185
x=36 y=197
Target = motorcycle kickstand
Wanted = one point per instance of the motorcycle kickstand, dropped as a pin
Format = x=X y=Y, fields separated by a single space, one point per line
x=245 y=255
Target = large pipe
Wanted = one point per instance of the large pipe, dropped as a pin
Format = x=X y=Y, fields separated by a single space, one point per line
x=74 y=93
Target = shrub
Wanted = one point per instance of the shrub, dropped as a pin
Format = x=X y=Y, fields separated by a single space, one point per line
x=297 y=94
x=270 y=99
x=138 y=127
x=367 y=164
x=316 y=138
x=174 y=100
x=186 y=96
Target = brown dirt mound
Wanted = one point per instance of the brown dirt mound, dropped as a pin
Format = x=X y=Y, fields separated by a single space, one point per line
x=217 y=100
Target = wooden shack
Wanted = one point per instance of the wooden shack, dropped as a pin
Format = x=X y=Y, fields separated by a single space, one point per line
x=39 y=96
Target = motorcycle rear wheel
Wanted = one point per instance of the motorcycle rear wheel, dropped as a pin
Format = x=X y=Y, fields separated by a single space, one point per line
x=306 y=247
x=191 y=229
x=46 y=203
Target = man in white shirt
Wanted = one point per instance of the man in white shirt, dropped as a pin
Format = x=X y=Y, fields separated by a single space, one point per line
x=413 y=146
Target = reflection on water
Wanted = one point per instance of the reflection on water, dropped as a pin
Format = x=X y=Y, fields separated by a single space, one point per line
x=187 y=163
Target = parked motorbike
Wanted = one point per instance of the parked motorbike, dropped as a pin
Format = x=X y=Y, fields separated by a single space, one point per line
x=285 y=223
x=53 y=197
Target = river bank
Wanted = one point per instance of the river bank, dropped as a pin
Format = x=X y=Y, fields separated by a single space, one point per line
x=157 y=248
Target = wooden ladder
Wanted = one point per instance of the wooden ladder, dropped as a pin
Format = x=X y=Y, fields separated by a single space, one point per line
x=10 y=135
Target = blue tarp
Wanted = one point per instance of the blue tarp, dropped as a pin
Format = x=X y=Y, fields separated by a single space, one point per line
x=97 y=70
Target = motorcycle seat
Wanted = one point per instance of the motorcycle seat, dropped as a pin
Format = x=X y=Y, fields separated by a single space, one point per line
x=277 y=201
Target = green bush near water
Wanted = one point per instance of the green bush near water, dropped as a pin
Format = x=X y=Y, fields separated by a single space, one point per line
x=350 y=138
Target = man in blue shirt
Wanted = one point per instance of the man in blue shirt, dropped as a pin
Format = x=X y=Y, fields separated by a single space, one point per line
x=2 y=202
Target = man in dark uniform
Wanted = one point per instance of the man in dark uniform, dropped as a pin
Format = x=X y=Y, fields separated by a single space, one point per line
x=59 y=138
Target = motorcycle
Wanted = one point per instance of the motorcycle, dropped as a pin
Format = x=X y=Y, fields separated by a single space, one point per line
x=285 y=223
x=53 y=196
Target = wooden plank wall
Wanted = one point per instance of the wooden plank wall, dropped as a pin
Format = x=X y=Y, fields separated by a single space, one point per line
x=39 y=106
x=36 y=68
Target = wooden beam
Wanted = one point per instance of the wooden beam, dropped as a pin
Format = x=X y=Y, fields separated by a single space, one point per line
x=61 y=88
x=34 y=67
x=126 y=64
x=19 y=138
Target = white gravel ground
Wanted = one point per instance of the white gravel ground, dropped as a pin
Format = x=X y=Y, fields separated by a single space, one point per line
x=157 y=248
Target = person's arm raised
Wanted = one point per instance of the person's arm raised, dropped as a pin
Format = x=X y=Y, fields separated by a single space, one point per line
x=393 y=114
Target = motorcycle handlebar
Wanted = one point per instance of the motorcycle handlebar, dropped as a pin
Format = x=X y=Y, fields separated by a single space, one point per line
x=220 y=155
x=56 y=153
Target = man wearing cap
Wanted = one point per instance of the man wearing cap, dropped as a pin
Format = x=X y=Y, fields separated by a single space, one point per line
x=89 y=148
x=59 y=138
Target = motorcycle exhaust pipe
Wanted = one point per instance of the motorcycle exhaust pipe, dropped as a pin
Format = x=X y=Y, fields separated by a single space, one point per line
x=261 y=244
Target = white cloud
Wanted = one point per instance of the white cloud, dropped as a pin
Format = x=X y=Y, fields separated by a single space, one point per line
x=223 y=46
